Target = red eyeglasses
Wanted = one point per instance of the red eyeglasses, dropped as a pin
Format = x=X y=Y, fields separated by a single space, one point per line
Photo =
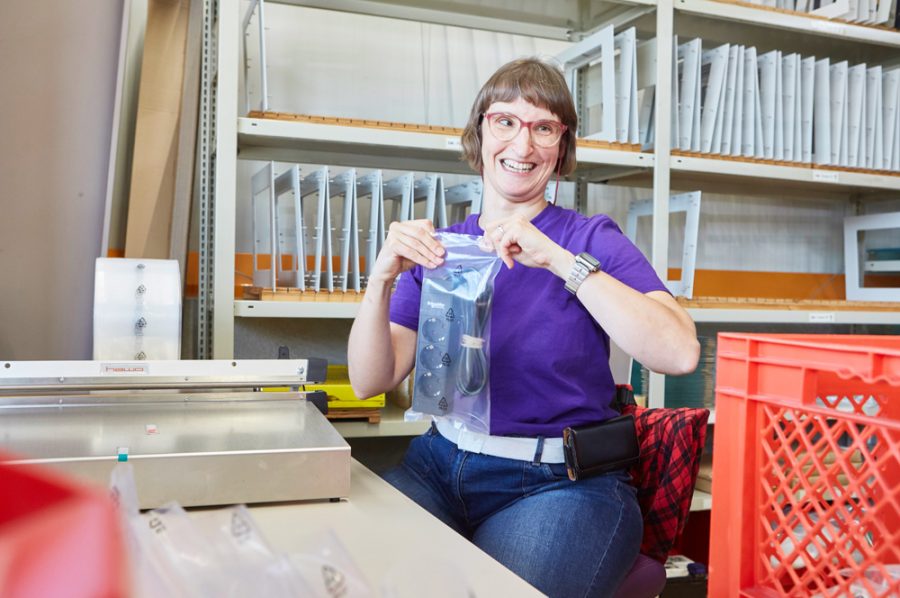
x=505 y=126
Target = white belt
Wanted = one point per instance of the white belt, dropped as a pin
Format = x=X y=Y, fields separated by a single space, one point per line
x=508 y=447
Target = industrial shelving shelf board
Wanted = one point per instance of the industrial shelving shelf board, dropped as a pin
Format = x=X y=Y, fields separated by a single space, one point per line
x=781 y=314
x=798 y=23
x=568 y=19
x=296 y=309
x=784 y=316
x=369 y=147
x=827 y=180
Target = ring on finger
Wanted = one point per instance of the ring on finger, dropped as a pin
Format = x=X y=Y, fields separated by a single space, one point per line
x=500 y=228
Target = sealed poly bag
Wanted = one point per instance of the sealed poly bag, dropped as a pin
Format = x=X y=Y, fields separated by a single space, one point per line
x=452 y=350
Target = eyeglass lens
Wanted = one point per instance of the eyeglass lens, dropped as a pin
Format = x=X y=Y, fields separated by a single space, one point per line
x=506 y=126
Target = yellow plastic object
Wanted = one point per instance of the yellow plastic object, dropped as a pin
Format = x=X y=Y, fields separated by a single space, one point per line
x=340 y=395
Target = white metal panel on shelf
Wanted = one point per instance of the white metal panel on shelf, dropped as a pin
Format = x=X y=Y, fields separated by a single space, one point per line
x=262 y=212
x=318 y=184
x=291 y=230
x=371 y=186
x=344 y=186
x=683 y=202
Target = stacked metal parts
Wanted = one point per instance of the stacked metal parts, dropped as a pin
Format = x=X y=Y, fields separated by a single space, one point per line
x=739 y=102
x=321 y=232
x=736 y=101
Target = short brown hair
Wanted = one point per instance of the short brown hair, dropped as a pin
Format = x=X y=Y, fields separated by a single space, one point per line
x=537 y=82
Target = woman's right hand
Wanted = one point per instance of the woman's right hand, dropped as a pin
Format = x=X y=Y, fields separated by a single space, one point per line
x=407 y=244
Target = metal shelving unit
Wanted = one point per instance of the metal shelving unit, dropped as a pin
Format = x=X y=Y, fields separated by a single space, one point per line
x=237 y=137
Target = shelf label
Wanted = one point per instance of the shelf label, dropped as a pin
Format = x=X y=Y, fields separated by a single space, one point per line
x=826 y=176
x=453 y=143
x=821 y=317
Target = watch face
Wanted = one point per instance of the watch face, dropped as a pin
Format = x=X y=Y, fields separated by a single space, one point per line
x=592 y=262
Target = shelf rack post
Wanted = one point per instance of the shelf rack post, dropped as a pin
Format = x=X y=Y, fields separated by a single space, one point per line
x=662 y=144
x=223 y=161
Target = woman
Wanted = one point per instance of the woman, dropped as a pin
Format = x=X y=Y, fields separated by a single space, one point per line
x=553 y=315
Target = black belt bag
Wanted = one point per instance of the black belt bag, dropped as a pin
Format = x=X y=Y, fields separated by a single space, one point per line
x=598 y=448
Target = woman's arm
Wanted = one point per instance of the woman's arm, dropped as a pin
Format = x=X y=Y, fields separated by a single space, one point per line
x=650 y=327
x=381 y=354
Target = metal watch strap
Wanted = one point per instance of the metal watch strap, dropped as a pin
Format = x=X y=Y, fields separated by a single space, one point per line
x=585 y=264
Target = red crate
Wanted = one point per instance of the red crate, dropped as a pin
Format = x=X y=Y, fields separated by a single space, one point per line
x=806 y=466
x=57 y=538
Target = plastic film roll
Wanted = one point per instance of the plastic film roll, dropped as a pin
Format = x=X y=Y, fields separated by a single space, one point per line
x=137 y=309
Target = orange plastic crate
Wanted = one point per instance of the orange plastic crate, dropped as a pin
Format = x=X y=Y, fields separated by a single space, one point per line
x=57 y=537
x=806 y=466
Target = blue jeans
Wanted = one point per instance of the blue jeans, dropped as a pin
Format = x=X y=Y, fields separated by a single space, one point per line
x=565 y=538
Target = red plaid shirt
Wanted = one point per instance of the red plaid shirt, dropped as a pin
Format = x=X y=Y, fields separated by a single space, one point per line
x=671 y=444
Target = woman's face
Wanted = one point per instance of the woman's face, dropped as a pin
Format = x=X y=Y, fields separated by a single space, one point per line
x=518 y=169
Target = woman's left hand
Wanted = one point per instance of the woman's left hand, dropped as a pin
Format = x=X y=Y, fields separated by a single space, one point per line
x=517 y=240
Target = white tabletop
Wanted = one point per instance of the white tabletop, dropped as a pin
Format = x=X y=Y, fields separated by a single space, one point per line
x=389 y=537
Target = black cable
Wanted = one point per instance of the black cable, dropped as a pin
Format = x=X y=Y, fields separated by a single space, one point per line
x=472 y=375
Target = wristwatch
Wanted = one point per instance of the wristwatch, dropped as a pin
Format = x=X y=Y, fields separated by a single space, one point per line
x=585 y=264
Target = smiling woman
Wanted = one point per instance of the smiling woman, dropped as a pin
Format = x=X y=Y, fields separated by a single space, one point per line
x=571 y=285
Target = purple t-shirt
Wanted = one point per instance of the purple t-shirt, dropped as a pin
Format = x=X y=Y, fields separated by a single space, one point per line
x=549 y=359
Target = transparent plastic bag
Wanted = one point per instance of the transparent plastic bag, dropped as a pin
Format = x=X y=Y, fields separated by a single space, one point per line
x=161 y=545
x=329 y=571
x=878 y=580
x=206 y=553
x=454 y=331
x=254 y=569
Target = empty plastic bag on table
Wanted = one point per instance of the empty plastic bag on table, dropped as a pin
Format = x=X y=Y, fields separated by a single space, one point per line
x=207 y=553
x=452 y=365
x=329 y=570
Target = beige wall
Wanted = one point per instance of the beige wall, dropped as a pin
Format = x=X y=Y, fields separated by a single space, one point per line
x=57 y=88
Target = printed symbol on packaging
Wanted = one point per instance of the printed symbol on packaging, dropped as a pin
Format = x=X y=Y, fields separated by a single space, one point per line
x=450 y=315
x=157 y=525
x=446 y=359
x=335 y=584
x=240 y=529
x=458 y=270
x=444 y=406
